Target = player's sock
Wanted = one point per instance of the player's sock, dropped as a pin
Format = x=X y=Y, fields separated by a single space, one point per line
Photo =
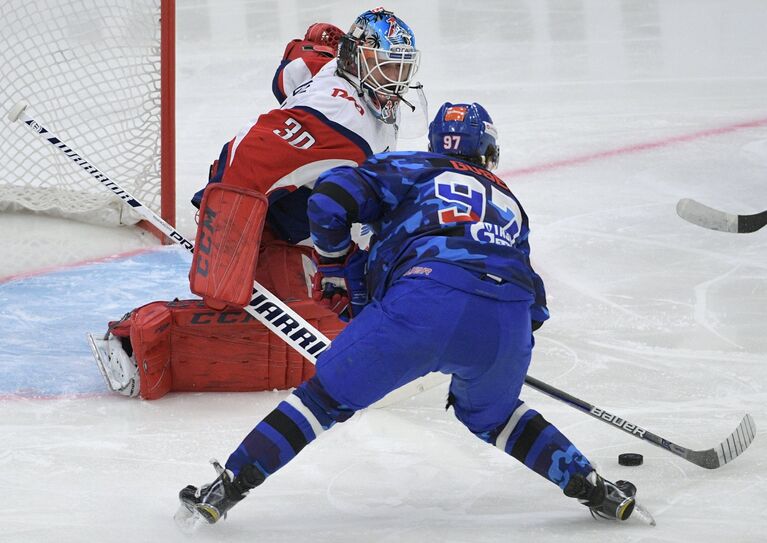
x=538 y=444
x=283 y=433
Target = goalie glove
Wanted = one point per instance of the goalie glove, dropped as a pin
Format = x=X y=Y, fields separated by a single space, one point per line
x=339 y=283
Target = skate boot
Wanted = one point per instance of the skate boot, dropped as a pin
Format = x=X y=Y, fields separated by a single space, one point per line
x=604 y=499
x=211 y=502
x=116 y=363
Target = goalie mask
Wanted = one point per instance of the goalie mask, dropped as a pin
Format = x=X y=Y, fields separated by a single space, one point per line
x=378 y=55
x=465 y=131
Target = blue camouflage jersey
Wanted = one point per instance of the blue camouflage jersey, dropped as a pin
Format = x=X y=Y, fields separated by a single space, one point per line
x=426 y=208
x=454 y=292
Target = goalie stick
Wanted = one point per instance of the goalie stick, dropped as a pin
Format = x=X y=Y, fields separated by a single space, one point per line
x=713 y=458
x=264 y=306
x=309 y=342
x=696 y=213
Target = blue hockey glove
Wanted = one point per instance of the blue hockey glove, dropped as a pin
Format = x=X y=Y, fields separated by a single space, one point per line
x=339 y=283
x=539 y=314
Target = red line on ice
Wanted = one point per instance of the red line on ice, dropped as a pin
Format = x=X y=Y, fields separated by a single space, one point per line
x=78 y=264
x=628 y=149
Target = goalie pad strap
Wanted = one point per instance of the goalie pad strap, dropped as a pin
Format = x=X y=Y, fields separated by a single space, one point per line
x=229 y=231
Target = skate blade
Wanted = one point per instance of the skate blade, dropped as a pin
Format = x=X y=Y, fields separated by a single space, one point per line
x=102 y=357
x=643 y=515
x=188 y=520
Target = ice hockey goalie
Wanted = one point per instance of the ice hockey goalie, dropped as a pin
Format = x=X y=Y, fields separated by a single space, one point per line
x=328 y=116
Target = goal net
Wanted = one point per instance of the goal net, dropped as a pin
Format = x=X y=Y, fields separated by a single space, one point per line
x=90 y=71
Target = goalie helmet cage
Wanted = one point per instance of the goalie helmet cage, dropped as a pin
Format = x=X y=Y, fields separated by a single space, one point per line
x=101 y=72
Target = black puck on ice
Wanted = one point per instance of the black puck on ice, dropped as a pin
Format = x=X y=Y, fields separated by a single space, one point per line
x=630 y=459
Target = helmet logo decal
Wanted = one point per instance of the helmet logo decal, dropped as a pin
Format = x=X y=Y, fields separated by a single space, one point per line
x=456 y=113
x=396 y=34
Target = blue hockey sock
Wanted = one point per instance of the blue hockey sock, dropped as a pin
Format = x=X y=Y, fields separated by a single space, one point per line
x=284 y=432
x=538 y=444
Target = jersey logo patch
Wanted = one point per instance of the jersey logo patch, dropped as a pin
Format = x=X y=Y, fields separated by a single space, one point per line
x=341 y=93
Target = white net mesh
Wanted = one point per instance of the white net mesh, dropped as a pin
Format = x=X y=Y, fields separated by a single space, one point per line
x=90 y=72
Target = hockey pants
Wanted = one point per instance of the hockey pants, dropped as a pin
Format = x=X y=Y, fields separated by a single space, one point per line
x=422 y=326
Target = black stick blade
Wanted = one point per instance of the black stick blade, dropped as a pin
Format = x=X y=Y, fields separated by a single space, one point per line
x=751 y=223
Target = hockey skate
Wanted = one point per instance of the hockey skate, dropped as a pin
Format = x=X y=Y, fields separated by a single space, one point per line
x=117 y=366
x=607 y=500
x=210 y=503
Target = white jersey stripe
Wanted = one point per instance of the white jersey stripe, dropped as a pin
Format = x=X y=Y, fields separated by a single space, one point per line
x=240 y=137
x=503 y=437
x=306 y=175
x=299 y=406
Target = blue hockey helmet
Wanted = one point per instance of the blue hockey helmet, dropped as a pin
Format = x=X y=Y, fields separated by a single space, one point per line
x=465 y=131
x=378 y=55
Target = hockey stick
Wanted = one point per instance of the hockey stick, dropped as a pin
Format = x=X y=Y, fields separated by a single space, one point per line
x=714 y=219
x=264 y=306
x=309 y=341
x=713 y=458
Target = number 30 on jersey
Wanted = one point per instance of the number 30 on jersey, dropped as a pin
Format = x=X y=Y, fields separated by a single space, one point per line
x=294 y=135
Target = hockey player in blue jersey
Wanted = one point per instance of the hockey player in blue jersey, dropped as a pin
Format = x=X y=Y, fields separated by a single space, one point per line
x=446 y=287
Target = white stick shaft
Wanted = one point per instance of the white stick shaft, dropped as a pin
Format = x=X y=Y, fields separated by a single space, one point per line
x=272 y=312
x=264 y=306
x=102 y=178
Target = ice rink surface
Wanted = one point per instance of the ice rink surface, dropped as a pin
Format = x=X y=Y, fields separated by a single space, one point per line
x=609 y=112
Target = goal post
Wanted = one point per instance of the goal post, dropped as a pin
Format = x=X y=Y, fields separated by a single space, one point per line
x=102 y=72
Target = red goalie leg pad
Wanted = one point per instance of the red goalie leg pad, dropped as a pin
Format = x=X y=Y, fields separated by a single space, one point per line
x=186 y=346
x=287 y=368
x=217 y=351
x=227 y=245
x=148 y=328
x=285 y=270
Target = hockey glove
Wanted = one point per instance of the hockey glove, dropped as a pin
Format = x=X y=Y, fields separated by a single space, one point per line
x=538 y=315
x=339 y=283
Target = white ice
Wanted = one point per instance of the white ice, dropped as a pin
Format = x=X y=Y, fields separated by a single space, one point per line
x=609 y=112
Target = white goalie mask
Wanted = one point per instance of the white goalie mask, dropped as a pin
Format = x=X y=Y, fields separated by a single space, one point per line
x=380 y=57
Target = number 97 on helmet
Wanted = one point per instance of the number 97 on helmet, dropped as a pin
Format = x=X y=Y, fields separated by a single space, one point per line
x=465 y=131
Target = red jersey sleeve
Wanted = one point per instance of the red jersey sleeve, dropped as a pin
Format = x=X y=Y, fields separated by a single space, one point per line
x=289 y=148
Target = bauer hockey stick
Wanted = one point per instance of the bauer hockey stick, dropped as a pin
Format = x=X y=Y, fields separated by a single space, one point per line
x=264 y=306
x=309 y=342
x=714 y=219
x=713 y=458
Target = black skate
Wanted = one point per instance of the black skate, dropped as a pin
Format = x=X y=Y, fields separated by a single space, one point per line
x=615 y=501
x=211 y=502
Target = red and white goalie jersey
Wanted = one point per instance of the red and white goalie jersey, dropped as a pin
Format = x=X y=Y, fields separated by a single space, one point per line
x=321 y=125
x=185 y=345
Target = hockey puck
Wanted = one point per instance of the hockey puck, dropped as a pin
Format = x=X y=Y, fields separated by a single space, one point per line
x=630 y=459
